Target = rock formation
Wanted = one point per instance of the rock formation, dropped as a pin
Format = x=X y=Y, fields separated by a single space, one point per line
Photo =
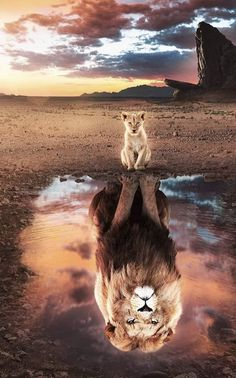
x=216 y=57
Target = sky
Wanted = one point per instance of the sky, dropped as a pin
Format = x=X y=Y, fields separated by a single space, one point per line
x=68 y=47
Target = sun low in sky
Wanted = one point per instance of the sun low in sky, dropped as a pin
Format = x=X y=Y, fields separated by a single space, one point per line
x=68 y=47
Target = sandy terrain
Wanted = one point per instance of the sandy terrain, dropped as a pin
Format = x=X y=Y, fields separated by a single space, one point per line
x=41 y=139
x=87 y=136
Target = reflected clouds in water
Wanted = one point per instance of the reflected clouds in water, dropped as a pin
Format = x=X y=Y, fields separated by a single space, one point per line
x=60 y=246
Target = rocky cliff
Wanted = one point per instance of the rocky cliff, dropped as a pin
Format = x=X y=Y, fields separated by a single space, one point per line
x=216 y=59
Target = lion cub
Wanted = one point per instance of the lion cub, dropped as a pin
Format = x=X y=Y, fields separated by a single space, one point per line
x=136 y=154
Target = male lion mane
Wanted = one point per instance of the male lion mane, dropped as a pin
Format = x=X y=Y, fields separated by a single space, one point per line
x=133 y=253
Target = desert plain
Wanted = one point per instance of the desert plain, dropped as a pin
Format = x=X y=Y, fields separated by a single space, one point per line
x=42 y=138
x=49 y=136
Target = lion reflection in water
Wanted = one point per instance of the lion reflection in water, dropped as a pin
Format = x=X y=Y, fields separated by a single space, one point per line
x=138 y=285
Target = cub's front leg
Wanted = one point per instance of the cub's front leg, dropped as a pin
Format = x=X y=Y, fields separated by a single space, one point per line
x=128 y=158
x=141 y=160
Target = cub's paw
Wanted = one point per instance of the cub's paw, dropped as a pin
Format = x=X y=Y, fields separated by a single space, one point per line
x=139 y=167
x=130 y=169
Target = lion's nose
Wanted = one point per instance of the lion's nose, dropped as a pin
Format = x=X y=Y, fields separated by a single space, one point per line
x=145 y=308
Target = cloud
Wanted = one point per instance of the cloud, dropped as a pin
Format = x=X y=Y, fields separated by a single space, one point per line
x=64 y=4
x=80 y=326
x=76 y=274
x=93 y=20
x=215 y=324
x=96 y=19
x=230 y=32
x=163 y=15
x=15 y=27
x=136 y=65
x=130 y=65
x=182 y=37
x=216 y=14
x=83 y=24
x=90 y=20
x=82 y=285
x=83 y=249
x=61 y=58
x=18 y=26
x=83 y=294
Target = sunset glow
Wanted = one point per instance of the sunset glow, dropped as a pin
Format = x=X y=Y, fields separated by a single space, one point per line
x=70 y=47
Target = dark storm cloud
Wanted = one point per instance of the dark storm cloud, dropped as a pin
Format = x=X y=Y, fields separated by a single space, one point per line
x=163 y=14
x=82 y=285
x=216 y=14
x=182 y=37
x=130 y=65
x=83 y=249
x=140 y=65
x=60 y=58
x=82 y=294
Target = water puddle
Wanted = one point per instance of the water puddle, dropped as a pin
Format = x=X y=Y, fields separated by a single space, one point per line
x=60 y=247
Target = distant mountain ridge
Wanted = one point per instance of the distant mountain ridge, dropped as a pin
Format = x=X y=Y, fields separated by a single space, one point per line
x=141 y=91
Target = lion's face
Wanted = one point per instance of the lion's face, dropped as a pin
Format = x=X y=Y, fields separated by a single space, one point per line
x=145 y=318
x=142 y=315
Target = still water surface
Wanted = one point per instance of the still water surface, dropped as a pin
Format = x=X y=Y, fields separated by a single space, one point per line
x=60 y=247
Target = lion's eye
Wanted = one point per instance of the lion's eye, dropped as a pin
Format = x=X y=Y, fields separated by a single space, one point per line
x=131 y=321
x=154 y=321
x=130 y=123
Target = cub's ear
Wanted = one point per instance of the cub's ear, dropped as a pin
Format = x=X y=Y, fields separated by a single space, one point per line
x=124 y=116
x=109 y=330
x=142 y=115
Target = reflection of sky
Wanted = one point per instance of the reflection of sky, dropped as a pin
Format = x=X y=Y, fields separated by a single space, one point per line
x=62 y=190
x=178 y=188
x=67 y=199
x=60 y=246
x=207 y=236
x=198 y=210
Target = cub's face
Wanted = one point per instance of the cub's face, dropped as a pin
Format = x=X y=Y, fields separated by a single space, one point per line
x=133 y=122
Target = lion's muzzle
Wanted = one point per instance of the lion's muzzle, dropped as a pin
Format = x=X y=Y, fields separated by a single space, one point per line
x=144 y=300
